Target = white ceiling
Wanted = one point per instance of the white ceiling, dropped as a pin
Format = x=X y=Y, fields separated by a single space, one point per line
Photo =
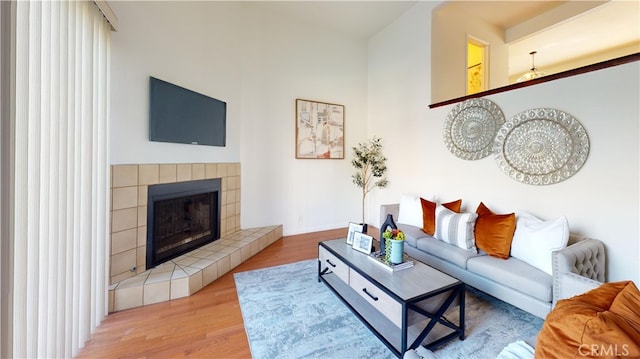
x=609 y=25
x=358 y=18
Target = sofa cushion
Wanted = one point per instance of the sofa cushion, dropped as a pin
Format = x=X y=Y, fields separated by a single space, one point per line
x=456 y=228
x=494 y=232
x=446 y=251
x=410 y=211
x=602 y=323
x=429 y=213
x=411 y=233
x=534 y=240
x=515 y=274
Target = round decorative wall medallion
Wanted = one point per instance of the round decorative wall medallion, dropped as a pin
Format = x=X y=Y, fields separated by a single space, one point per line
x=470 y=128
x=541 y=146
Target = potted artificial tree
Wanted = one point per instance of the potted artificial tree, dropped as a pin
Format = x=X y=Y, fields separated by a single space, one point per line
x=370 y=168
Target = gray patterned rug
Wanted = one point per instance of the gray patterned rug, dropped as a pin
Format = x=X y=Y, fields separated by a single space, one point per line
x=288 y=314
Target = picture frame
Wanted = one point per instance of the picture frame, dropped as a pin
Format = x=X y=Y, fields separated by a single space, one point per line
x=352 y=229
x=319 y=130
x=362 y=242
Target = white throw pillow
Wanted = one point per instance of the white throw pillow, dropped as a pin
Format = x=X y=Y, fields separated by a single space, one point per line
x=456 y=228
x=534 y=240
x=410 y=211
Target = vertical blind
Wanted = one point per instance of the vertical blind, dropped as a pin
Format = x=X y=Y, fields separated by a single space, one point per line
x=61 y=177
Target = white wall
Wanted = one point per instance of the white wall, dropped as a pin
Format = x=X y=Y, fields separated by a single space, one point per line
x=451 y=26
x=286 y=60
x=259 y=63
x=601 y=201
x=186 y=43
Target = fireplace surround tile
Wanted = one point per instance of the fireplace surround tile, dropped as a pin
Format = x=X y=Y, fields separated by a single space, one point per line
x=126 y=298
x=209 y=274
x=142 y=195
x=142 y=216
x=246 y=252
x=124 y=176
x=216 y=256
x=235 y=258
x=179 y=288
x=199 y=253
x=183 y=172
x=134 y=281
x=197 y=171
x=121 y=262
x=178 y=273
x=226 y=249
x=185 y=260
x=123 y=219
x=142 y=236
x=124 y=197
x=224 y=265
x=149 y=174
x=156 y=292
x=120 y=277
x=168 y=173
x=195 y=279
x=123 y=241
x=211 y=171
x=155 y=277
x=141 y=257
x=202 y=263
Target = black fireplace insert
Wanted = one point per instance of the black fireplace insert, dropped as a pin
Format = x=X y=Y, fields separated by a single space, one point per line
x=181 y=217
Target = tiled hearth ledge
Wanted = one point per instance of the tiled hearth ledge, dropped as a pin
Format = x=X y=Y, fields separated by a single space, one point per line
x=187 y=274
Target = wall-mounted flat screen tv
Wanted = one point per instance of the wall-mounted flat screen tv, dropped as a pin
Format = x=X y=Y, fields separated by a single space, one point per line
x=179 y=115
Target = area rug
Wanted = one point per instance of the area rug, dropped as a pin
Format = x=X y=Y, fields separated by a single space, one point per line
x=288 y=314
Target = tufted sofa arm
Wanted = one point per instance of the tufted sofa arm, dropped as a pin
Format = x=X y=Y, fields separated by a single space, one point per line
x=577 y=268
x=573 y=284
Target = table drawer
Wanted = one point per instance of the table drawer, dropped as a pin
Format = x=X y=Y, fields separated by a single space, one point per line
x=380 y=300
x=328 y=260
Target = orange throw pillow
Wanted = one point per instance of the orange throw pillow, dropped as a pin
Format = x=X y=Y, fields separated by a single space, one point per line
x=429 y=214
x=494 y=232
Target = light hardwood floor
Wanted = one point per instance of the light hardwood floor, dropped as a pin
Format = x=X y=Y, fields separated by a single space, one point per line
x=207 y=324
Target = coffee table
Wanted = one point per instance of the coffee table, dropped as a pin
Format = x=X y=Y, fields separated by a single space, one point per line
x=404 y=309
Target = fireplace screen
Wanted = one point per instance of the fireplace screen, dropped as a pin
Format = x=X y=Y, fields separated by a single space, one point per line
x=180 y=220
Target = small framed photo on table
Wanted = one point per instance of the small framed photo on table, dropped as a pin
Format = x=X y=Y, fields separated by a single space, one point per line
x=353 y=228
x=362 y=242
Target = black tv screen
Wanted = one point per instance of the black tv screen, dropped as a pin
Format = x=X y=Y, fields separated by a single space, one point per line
x=179 y=115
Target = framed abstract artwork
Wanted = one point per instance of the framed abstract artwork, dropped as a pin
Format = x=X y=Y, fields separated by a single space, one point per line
x=319 y=130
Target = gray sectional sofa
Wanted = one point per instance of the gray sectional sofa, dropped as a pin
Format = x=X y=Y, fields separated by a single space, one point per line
x=580 y=265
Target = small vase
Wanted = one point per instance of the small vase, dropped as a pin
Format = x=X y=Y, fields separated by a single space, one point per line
x=397 y=250
x=388 y=222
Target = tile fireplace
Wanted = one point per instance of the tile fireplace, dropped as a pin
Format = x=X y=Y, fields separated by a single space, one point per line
x=133 y=193
x=130 y=185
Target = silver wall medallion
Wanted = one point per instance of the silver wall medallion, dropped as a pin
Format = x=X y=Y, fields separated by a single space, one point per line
x=541 y=146
x=470 y=128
